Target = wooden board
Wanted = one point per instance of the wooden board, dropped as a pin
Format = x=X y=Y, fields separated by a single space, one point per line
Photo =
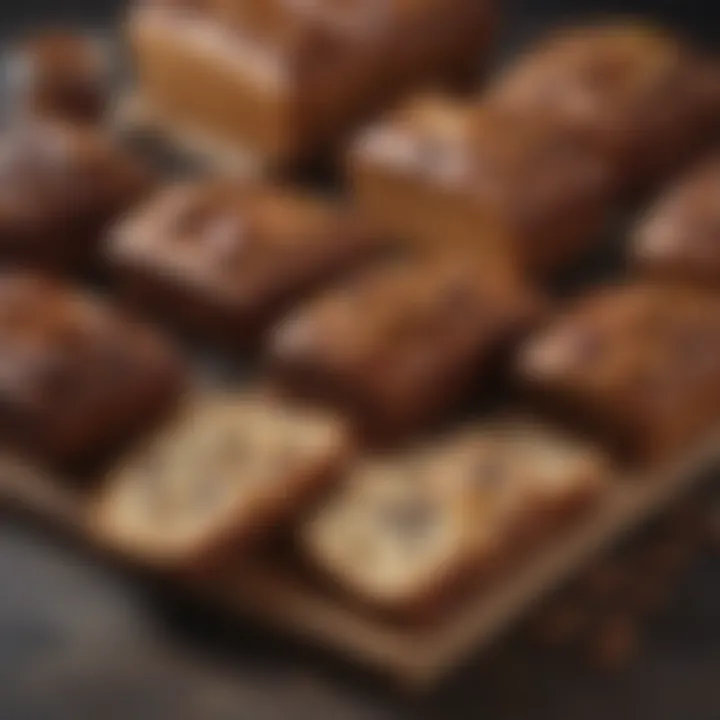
x=417 y=657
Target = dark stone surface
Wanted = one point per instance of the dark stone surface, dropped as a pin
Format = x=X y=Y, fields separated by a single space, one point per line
x=78 y=643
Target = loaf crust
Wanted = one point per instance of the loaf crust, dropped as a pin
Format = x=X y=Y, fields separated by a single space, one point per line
x=639 y=363
x=637 y=93
x=76 y=377
x=440 y=172
x=283 y=79
x=223 y=260
x=679 y=238
x=59 y=74
x=400 y=346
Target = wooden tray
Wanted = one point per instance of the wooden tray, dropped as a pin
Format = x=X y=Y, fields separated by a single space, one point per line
x=417 y=657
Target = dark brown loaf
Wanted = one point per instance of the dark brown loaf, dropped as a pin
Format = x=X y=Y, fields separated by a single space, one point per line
x=638 y=94
x=399 y=346
x=679 y=238
x=284 y=79
x=60 y=186
x=438 y=172
x=224 y=260
x=59 y=74
x=639 y=363
x=75 y=377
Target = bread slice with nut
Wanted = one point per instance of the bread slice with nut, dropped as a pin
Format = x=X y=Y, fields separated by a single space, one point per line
x=227 y=471
x=403 y=534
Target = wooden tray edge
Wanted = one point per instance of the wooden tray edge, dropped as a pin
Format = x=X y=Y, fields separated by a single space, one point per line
x=415 y=658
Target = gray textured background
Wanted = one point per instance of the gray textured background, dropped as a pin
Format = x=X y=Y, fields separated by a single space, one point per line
x=78 y=643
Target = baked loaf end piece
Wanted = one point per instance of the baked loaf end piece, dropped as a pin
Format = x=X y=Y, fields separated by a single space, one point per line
x=406 y=534
x=398 y=347
x=59 y=74
x=75 y=377
x=223 y=260
x=284 y=79
x=679 y=238
x=641 y=95
x=439 y=172
x=226 y=472
x=60 y=186
x=639 y=363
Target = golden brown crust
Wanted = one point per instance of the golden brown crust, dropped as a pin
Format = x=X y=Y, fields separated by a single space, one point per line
x=225 y=259
x=285 y=79
x=679 y=238
x=639 y=362
x=60 y=186
x=442 y=172
x=638 y=94
x=398 y=347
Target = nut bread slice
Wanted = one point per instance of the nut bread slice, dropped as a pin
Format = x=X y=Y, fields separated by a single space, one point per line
x=229 y=470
